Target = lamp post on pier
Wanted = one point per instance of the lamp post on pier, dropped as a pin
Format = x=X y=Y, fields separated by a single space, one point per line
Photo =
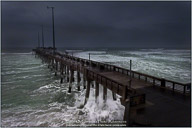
x=53 y=27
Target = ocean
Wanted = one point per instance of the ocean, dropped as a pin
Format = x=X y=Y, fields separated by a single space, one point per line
x=33 y=96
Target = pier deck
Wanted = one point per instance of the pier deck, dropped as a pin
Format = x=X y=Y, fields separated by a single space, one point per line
x=148 y=100
x=166 y=108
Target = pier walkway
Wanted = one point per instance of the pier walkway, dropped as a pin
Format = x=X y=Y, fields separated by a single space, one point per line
x=148 y=100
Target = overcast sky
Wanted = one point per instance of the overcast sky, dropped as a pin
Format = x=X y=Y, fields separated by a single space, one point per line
x=98 y=24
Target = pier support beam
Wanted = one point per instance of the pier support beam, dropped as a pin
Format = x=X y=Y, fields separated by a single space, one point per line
x=96 y=91
x=104 y=93
x=67 y=73
x=61 y=73
x=64 y=69
x=52 y=64
x=78 y=81
x=162 y=82
x=87 y=91
x=114 y=96
x=162 y=85
x=127 y=112
x=124 y=96
x=71 y=80
x=72 y=74
x=84 y=82
x=92 y=84
x=48 y=63
x=56 y=68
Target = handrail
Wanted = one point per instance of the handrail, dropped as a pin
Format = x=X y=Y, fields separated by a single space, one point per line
x=163 y=82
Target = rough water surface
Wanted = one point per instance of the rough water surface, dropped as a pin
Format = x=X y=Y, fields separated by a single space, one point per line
x=33 y=96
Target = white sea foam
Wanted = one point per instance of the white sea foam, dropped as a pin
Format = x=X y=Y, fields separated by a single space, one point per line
x=47 y=87
x=59 y=114
x=74 y=50
x=109 y=110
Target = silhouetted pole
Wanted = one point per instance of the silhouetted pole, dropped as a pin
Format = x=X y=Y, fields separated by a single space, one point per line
x=42 y=37
x=38 y=40
x=130 y=73
x=53 y=27
x=130 y=66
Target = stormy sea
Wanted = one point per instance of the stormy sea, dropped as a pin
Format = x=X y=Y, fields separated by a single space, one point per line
x=33 y=96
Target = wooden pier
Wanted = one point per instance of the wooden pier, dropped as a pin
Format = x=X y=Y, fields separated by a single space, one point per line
x=148 y=100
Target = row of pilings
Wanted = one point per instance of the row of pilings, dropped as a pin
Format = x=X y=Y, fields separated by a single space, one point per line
x=66 y=68
x=67 y=72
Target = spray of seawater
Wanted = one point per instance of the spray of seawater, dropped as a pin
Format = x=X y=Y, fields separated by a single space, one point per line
x=33 y=96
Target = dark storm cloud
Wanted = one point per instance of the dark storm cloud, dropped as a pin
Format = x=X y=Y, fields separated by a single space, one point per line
x=98 y=24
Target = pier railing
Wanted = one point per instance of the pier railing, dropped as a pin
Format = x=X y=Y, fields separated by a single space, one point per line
x=102 y=74
x=109 y=83
x=113 y=85
x=155 y=81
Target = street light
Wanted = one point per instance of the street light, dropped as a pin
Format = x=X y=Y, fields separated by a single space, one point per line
x=53 y=27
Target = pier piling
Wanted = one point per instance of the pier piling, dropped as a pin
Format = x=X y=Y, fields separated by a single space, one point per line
x=84 y=82
x=61 y=70
x=104 y=93
x=114 y=96
x=87 y=91
x=71 y=80
x=96 y=90
x=78 y=81
x=67 y=73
